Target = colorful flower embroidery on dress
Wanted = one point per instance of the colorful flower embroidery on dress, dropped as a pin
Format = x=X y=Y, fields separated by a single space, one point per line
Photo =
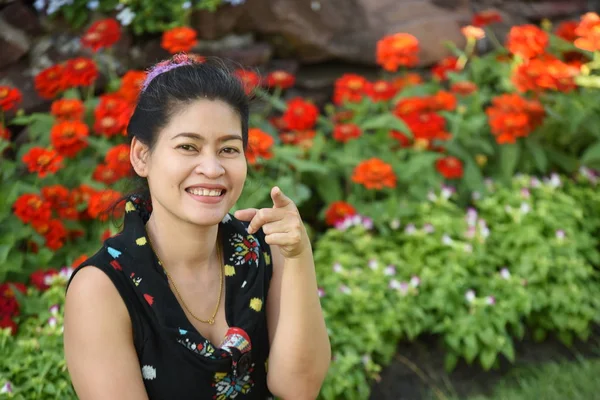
x=244 y=249
x=229 y=386
x=204 y=349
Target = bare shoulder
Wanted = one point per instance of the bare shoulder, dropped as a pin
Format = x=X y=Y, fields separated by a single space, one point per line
x=98 y=339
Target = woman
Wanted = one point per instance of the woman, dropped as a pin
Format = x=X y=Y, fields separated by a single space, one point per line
x=188 y=301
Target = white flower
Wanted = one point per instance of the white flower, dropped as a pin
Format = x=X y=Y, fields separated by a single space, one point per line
x=345 y=289
x=389 y=270
x=415 y=281
x=65 y=273
x=373 y=264
x=125 y=16
x=468 y=248
x=39 y=4
x=410 y=229
x=476 y=195
x=356 y=219
x=395 y=224
x=535 y=182
x=186 y=5
x=321 y=292
x=490 y=300
x=394 y=284
x=366 y=359
x=560 y=234
x=554 y=180
x=447 y=240
x=93 y=4
x=431 y=196
x=337 y=267
x=148 y=372
x=483 y=229
x=471 y=216
x=525 y=208
x=447 y=191
x=428 y=228
x=504 y=273
x=6 y=388
x=52 y=322
x=470 y=295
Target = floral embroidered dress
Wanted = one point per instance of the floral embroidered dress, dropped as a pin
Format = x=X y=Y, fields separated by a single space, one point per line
x=176 y=361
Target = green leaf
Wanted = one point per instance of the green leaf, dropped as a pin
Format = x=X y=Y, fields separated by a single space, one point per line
x=566 y=162
x=538 y=154
x=450 y=361
x=471 y=348
x=591 y=154
x=473 y=176
x=329 y=188
x=387 y=121
x=487 y=358
x=509 y=158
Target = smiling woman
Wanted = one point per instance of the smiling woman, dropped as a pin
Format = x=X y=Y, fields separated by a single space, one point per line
x=189 y=301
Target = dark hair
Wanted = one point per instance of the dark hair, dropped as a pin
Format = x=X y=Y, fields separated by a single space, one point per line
x=169 y=91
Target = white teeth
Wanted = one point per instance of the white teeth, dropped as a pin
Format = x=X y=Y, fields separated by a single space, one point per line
x=205 y=192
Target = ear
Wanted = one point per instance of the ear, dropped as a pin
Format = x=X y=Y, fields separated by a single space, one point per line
x=139 y=156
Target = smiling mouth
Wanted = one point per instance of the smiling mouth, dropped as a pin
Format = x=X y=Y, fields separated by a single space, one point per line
x=206 y=192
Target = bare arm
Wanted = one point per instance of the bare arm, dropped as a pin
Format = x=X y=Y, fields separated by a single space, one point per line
x=98 y=340
x=300 y=349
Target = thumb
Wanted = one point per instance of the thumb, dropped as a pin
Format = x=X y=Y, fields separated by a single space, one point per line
x=245 y=214
x=280 y=200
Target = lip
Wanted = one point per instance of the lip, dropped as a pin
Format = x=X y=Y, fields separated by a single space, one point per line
x=209 y=186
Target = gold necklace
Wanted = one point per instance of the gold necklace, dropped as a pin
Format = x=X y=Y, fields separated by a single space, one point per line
x=211 y=320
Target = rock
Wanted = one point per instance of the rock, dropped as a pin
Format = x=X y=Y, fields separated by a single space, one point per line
x=13 y=42
x=20 y=75
x=21 y=16
x=254 y=55
x=316 y=31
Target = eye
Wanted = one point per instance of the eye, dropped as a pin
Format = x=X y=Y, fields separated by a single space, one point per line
x=186 y=147
x=230 y=150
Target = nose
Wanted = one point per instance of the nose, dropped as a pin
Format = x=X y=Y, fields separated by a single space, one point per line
x=209 y=166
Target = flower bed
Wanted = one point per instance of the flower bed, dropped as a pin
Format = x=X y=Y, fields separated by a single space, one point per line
x=522 y=259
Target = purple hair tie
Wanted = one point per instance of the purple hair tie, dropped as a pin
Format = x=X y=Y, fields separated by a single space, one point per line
x=178 y=60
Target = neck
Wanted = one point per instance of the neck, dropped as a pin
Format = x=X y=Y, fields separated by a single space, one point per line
x=182 y=247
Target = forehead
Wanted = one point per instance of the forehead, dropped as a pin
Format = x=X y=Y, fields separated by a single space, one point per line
x=205 y=117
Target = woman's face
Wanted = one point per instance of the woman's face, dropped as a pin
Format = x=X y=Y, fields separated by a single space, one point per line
x=197 y=168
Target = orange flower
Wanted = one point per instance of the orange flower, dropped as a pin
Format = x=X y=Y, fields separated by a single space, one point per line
x=179 y=40
x=101 y=202
x=546 y=73
x=102 y=33
x=527 y=41
x=80 y=71
x=464 y=88
x=50 y=82
x=259 y=145
x=566 y=30
x=338 y=211
x=9 y=98
x=78 y=261
x=486 y=17
x=511 y=116
x=106 y=174
x=303 y=139
x=445 y=65
x=398 y=50
x=280 y=79
x=69 y=137
x=67 y=109
x=407 y=80
x=131 y=84
x=250 y=79
x=4 y=133
x=300 y=114
x=374 y=173
x=54 y=233
x=350 y=88
x=449 y=167
x=31 y=207
x=43 y=161
x=117 y=157
x=381 y=91
x=442 y=101
x=409 y=105
x=426 y=126
x=589 y=30
x=61 y=201
x=473 y=32
x=401 y=138
x=345 y=132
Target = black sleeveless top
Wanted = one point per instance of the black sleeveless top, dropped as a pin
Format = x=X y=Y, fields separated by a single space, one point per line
x=176 y=361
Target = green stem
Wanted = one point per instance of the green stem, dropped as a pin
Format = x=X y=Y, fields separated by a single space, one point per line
x=490 y=33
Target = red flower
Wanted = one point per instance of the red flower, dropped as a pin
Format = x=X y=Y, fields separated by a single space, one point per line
x=4 y=133
x=300 y=114
x=131 y=85
x=527 y=41
x=566 y=30
x=31 y=207
x=398 y=50
x=589 y=30
x=345 y=132
x=445 y=65
x=39 y=278
x=374 y=173
x=100 y=204
x=43 y=161
x=69 y=137
x=61 y=201
x=53 y=231
x=259 y=145
x=381 y=91
x=102 y=33
x=180 y=39
x=450 y=167
x=50 y=82
x=9 y=98
x=464 y=88
x=80 y=71
x=112 y=116
x=349 y=87
x=547 y=73
x=486 y=17
x=7 y=292
x=67 y=109
x=280 y=79
x=407 y=80
x=250 y=79
x=79 y=260
x=7 y=322
x=511 y=116
x=338 y=211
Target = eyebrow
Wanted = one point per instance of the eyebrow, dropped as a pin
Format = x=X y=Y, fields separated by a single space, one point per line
x=197 y=136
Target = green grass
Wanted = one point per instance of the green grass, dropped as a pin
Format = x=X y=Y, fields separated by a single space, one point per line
x=575 y=380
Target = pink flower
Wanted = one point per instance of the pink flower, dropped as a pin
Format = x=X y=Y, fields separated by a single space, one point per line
x=490 y=300
x=321 y=292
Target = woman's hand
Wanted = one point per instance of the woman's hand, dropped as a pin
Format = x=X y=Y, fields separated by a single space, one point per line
x=281 y=224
